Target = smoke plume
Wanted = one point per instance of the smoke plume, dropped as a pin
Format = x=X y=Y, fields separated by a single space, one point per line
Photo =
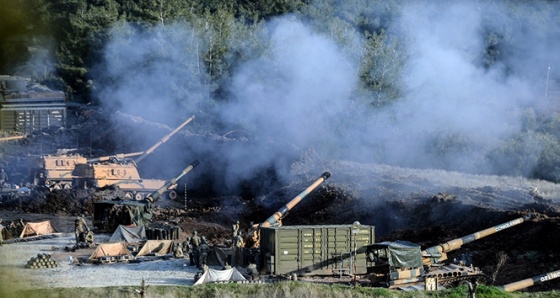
x=303 y=90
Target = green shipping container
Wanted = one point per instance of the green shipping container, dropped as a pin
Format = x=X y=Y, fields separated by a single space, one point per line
x=315 y=250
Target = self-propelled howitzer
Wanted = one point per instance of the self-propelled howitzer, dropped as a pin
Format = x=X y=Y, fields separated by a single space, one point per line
x=122 y=172
x=156 y=195
x=403 y=265
x=438 y=253
x=64 y=171
x=276 y=218
x=109 y=214
x=252 y=239
x=141 y=154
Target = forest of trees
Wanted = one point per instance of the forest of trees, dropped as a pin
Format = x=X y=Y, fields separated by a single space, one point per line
x=66 y=41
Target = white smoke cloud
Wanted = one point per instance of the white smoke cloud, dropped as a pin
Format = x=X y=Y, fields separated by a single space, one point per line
x=302 y=90
x=296 y=89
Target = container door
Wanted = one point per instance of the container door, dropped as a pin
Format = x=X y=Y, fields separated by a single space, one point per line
x=288 y=251
x=311 y=256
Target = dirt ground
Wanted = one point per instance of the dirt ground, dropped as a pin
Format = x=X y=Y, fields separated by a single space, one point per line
x=427 y=207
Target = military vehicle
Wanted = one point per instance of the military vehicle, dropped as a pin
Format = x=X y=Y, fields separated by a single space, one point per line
x=403 y=265
x=529 y=282
x=65 y=171
x=109 y=214
x=253 y=237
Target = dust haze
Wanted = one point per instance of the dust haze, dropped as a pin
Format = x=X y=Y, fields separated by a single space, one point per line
x=303 y=93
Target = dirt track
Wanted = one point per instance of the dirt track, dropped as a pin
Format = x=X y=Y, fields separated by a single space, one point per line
x=71 y=275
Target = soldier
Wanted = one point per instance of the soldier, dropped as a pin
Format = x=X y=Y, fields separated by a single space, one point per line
x=89 y=237
x=252 y=271
x=80 y=226
x=3 y=178
x=238 y=244
x=13 y=228
x=195 y=242
x=204 y=251
x=234 y=229
x=20 y=226
x=179 y=251
x=238 y=240
x=187 y=248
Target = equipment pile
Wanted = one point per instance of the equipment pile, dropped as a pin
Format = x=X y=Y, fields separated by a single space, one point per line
x=41 y=261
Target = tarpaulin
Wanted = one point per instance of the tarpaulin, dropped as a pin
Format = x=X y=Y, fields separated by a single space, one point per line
x=37 y=228
x=212 y=275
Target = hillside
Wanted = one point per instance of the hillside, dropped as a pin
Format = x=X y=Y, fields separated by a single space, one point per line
x=420 y=205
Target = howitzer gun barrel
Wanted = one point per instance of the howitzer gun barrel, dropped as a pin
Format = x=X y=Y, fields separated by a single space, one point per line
x=280 y=214
x=525 y=283
x=163 y=140
x=153 y=197
x=142 y=154
x=119 y=156
x=437 y=253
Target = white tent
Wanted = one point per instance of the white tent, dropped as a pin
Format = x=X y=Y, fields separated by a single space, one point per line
x=212 y=275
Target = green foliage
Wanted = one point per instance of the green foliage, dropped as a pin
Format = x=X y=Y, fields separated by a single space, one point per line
x=491 y=292
x=278 y=289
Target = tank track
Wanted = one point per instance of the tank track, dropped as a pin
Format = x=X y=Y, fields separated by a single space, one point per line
x=453 y=274
x=457 y=280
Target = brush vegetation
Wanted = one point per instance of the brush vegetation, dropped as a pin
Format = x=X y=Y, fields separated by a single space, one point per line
x=280 y=289
x=224 y=34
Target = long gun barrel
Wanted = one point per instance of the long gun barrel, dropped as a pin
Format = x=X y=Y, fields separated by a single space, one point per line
x=280 y=214
x=142 y=153
x=522 y=284
x=163 y=140
x=153 y=197
x=438 y=253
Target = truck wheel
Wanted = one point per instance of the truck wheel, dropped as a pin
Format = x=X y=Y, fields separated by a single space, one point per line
x=172 y=195
x=128 y=195
x=138 y=196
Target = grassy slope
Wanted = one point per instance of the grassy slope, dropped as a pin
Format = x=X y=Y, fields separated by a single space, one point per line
x=280 y=289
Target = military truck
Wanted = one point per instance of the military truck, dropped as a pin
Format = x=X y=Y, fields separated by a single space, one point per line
x=403 y=265
x=66 y=170
x=109 y=214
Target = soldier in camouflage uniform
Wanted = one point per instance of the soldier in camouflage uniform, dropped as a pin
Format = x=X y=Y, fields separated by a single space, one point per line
x=80 y=227
x=204 y=251
x=195 y=243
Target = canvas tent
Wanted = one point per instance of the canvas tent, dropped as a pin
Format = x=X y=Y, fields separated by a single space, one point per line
x=37 y=228
x=158 y=247
x=129 y=234
x=212 y=275
x=110 y=250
